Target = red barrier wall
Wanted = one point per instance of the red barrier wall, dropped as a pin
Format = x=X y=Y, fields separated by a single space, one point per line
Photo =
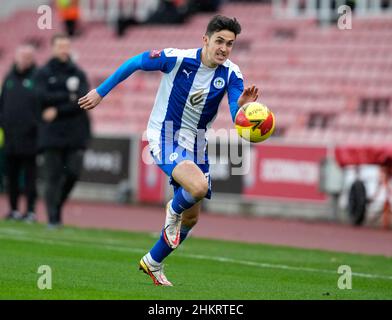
x=282 y=171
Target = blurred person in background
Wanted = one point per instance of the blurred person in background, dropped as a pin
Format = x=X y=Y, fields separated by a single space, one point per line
x=69 y=12
x=19 y=119
x=64 y=130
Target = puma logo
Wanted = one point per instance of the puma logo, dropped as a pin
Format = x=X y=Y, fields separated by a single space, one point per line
x=187 y=73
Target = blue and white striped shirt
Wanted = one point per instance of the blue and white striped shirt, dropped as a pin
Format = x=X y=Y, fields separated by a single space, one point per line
x=188 y=97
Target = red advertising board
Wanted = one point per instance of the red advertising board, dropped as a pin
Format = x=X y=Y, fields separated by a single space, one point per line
x=285 y=172
x=151 y=181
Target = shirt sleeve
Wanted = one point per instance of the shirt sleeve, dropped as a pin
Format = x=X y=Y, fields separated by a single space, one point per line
x=158 y=60
x=153 y=60
x=234 y=91
x=123 y=72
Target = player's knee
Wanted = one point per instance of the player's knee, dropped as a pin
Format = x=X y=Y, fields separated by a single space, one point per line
x=198 y=185
x=199 y=189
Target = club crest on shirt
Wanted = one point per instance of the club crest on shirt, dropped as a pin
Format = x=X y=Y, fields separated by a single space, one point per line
x=155 y=53
x=219 y=83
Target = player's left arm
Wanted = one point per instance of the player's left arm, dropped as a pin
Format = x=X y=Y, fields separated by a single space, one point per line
x=237 y=95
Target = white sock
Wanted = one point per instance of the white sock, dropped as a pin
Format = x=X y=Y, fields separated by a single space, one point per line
x=171 y=209
x=151 y=260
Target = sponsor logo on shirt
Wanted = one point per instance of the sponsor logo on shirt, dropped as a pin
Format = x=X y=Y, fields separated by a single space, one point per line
x=196 y=98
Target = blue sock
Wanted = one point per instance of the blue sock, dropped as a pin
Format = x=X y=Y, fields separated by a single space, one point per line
x=182 y=200
x=161 y=250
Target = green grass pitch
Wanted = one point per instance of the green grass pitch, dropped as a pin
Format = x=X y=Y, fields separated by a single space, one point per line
x=102 y=264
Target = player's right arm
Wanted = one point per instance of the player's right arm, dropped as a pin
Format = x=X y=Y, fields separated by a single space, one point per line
x=148 y=61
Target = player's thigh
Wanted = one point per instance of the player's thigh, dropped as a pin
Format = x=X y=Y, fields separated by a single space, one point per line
x=191 y=178
x=191 y=215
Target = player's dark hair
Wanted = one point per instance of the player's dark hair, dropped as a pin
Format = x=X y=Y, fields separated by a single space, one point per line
x=219 y=23
x=58 y=36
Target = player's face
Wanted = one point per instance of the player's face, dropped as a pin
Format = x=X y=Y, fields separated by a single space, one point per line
x=62 y=49
x=218 y=47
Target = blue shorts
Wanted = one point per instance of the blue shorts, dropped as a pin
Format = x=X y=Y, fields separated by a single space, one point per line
x=170 y=160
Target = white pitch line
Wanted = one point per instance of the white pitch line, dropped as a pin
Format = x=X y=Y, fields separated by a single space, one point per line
x=281 y=266
x=8 y=235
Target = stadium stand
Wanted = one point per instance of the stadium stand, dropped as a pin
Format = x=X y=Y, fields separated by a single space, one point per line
x=324 y=84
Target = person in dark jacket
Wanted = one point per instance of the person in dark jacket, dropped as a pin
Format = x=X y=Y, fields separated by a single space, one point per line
x=64 y=131
x=19 y=119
